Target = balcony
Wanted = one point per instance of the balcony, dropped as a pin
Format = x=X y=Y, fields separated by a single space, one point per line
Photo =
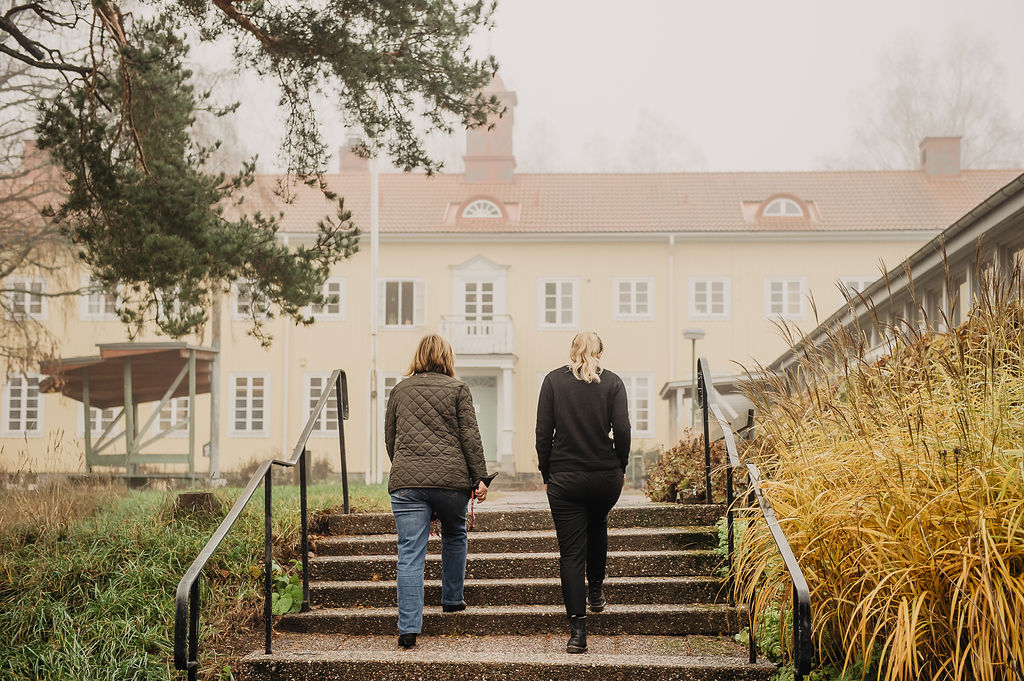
x=472 y=336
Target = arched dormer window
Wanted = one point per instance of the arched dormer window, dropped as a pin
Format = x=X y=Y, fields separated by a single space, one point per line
x=783 y=208
x=482 y=208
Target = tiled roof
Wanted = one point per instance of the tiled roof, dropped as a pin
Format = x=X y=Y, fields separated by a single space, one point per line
x=655 y=202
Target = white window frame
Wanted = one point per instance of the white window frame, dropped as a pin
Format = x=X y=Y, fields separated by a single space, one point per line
x=384 y=392
x=265 y=431
x=99 y=425
x=103 y=315
x=482 y=209
x=326 y=424
x=39 y=430
x=630 y=379
x=323 y=315
x=632 y=315
x=260 y=302
x=861 y=284
x=726 y=298
x=26 y=291
x=172 y=404
x=784 y=204
x=797 y=316
x=419 y=303
x=574 y=323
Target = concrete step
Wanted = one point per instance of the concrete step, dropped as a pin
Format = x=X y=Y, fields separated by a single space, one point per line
x=544 y=591
x=503 y=658
x=529 y=541
x=516 y=566
x=649 y=515
x=618 y=619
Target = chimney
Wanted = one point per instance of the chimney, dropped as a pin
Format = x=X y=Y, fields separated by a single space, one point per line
x=940 y=156
x=349 y=159
x=490 y=154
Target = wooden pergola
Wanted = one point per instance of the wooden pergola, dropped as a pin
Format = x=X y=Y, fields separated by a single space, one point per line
x=125 y=375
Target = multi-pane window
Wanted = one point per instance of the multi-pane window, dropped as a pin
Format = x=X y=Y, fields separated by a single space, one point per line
x=709 y=298
x=99 y=420
x=558 y=303
x=249 y=409
x=385 y=385
x=26 y=297
x=639 y=389
x=328 y=417
x=403 y=302
x=784 y=297
x=249 y=302
x=479 y=300
x=173 y=413
x=633 y=298
x=23 y=406
x=100 y=302
x=334 y=291
x=481 y=208
x=854 y=285
x=783 y=208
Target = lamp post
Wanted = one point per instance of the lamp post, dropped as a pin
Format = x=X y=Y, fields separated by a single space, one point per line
x=693 y=335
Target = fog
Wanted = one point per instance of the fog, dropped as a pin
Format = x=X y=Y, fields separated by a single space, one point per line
x=741 y=85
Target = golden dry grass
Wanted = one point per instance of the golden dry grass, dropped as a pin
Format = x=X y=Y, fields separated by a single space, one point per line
x=900 y=484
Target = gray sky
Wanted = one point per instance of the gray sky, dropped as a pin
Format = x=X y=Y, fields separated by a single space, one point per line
x=730 y=84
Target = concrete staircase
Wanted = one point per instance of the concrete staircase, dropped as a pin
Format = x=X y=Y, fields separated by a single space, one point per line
x=667 y=617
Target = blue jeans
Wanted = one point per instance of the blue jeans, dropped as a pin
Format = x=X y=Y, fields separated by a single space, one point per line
x=412 y=507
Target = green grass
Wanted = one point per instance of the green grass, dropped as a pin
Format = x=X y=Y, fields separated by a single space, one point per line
x=93 y=598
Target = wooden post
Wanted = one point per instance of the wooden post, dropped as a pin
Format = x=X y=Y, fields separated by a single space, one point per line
x=191 y=412
x=88 y=425
x=129 y=417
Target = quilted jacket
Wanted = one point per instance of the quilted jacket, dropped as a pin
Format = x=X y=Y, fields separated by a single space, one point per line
x=431 y=434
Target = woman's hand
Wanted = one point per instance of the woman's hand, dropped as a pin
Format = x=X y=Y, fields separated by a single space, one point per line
x=481 y=491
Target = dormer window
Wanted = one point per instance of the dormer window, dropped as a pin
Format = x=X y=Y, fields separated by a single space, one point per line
x=783 y=208
x=482 y=208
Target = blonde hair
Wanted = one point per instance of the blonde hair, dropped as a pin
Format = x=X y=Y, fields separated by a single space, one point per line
x=583 y=357
x=433 y=354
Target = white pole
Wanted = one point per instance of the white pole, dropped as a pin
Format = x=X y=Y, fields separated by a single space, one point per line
x=693 y=392
x=373 y=472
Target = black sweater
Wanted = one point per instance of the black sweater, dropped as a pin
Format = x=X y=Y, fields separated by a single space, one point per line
x=573 y=420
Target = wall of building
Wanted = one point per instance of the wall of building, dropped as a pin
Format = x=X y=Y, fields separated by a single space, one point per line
x=651 y=348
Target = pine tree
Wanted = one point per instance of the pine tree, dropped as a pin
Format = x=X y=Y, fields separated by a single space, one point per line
x=140 y=209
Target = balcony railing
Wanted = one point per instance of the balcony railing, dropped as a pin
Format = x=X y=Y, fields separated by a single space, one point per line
x=476 y=336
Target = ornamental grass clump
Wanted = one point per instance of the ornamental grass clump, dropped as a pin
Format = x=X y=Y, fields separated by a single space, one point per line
x=900 y=484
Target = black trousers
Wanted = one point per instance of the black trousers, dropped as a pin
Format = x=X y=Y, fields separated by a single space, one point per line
x=580 y=502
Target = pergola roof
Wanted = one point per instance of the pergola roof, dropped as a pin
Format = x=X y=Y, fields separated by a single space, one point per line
x=154 y=368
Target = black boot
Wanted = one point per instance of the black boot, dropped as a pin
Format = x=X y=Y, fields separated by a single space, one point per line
x=595 y=597
x=578 y=637
x=407 y=640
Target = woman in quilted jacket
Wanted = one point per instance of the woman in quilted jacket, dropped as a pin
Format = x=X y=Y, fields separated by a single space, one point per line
x=437 y=465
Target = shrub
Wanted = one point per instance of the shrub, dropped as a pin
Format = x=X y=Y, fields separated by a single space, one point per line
x=678 y=474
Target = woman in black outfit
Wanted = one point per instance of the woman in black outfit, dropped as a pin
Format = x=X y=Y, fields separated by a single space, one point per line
x=583 y=471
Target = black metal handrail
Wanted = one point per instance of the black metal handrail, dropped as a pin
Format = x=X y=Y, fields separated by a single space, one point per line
x=186 y=600
x=803 y=648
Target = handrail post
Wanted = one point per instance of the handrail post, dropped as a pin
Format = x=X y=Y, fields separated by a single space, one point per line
x=729 y=522
x=193 y=631
x=341 y=398
x=702 y=389
x=268 y=579
x=304 y=523
x=753 y=593
x=753 y=624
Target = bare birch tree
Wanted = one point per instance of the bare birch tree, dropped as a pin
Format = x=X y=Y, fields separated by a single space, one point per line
x=958 y=92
